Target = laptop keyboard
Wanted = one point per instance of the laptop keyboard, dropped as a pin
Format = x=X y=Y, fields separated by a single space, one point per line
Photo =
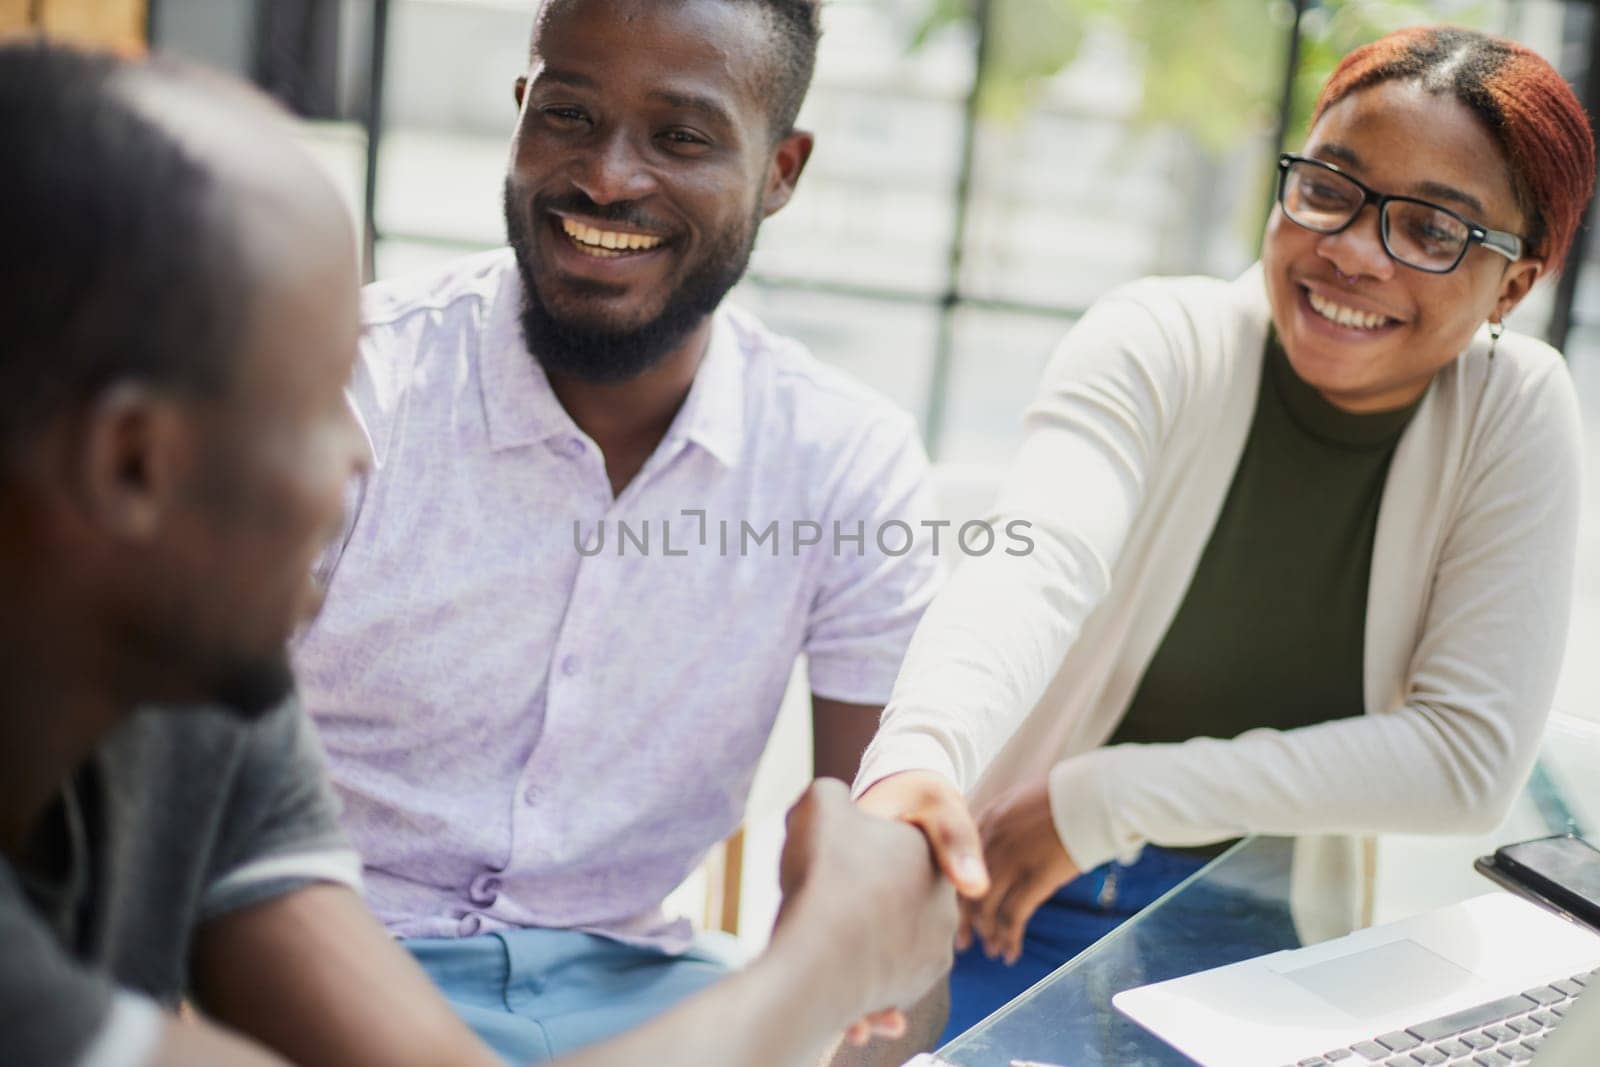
x=1508 y=1030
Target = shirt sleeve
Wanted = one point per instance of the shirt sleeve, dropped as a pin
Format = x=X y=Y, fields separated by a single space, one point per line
x=53 y=1010
x=995 y=637
x=281 y=829
x=880 y=570
x=1454 y=752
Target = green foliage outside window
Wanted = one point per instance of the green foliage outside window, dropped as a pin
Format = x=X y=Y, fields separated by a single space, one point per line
x=1213 y=68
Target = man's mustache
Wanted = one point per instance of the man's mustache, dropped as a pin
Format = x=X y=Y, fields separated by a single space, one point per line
x=626 y=212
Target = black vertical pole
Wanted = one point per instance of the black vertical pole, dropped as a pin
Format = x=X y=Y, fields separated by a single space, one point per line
x=374 y=125
x=944 y=349
x=1567 y=285
x=1291 y=68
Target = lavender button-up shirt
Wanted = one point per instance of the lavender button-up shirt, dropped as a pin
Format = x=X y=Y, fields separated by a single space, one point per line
x=542 y=704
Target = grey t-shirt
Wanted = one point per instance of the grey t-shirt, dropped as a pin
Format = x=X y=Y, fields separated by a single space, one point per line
x=179 y=817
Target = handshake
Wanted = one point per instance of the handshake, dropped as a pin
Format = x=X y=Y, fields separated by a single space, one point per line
x=866 y=914
x=866 y=928
x=876 y=894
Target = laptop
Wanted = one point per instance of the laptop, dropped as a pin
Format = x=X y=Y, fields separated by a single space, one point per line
x=1483 y=983
x=1577 y=1043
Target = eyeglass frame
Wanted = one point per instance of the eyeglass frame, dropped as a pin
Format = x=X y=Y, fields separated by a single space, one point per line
x=1503 y=242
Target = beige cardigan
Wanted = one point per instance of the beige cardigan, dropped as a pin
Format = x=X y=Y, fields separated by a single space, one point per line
x=1024 y=666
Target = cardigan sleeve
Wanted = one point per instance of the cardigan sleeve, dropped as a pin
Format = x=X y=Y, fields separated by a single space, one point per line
x=992 y=640
x=1453 y=753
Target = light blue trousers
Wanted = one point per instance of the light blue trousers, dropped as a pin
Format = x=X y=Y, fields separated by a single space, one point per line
x=535 y=994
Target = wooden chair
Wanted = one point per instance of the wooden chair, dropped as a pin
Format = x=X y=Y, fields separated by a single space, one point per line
x=724 y=870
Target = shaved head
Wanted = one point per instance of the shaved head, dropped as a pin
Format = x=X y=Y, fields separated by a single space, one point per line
x=139 y=200
x=179 y=324
x=269 y=183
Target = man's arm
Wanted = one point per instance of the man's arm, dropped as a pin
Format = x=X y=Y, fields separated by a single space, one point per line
x=840 y=733
x=767 y=1014
x=56 y=1010
x=198 y=1043
x=866 y=924
x=285 y=951
x=312 y=975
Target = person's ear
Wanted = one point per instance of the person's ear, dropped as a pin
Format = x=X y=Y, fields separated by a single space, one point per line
x=788 y=160
x=130 y=471
x=1516 y=283
x=519 y=90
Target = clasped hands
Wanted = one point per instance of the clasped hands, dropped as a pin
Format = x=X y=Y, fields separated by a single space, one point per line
x=883 y=894
x=1003 y=865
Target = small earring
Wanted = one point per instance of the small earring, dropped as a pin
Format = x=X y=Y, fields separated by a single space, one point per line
x=1496 y=328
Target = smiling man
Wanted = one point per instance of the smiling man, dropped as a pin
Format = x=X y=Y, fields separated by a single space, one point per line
x=607 y=515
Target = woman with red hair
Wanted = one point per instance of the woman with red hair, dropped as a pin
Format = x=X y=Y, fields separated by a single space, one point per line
x=1303 y=541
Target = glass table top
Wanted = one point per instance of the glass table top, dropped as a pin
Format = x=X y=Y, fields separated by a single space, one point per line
x=1237 y=907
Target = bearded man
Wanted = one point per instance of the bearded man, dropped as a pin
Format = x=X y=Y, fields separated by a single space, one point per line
x=607 y=514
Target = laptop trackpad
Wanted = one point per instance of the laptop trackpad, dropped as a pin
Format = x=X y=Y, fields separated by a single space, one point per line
x=1380 y=979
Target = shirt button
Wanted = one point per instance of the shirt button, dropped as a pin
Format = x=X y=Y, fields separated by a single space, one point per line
x=485 y=889
x=469 y=925
x=531 y=794
x=569 y=665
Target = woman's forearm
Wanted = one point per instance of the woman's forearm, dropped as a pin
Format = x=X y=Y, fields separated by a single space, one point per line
x=994 y=638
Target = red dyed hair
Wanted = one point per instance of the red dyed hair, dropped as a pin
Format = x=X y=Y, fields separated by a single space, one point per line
x=1528 y=108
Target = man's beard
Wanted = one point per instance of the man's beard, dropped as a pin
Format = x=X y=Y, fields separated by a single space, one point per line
x=193 y=670
x=250 y=689
x=614 y=352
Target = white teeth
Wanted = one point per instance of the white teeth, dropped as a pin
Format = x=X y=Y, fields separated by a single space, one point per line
x=606 y=243
x=1345 y=316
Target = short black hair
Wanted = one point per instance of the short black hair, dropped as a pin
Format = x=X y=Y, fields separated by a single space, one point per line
x=790 y=57
x=119 y=260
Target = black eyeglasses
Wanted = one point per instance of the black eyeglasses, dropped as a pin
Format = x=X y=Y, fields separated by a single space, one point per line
x=1422 y=235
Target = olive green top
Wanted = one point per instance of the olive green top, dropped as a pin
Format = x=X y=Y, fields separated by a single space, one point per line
x=1270 y=631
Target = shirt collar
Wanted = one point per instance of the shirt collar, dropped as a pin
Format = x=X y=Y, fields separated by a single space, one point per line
x=713 y=413
x=519 y=405
x=522 y=409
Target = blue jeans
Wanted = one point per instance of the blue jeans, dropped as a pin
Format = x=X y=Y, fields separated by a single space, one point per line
x=535 y=994
x=1082 y=912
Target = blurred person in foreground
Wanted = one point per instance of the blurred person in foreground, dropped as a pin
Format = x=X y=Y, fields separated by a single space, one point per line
x=177 y=329
x=537 y=726
x=1305 y=539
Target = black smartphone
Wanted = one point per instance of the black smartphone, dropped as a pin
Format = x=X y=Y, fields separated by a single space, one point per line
x=1565 y=870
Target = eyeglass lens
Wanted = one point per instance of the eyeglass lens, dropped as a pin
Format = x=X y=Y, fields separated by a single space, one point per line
x=1414 y=233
